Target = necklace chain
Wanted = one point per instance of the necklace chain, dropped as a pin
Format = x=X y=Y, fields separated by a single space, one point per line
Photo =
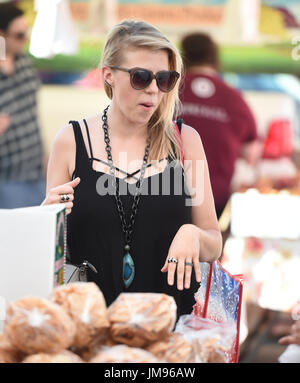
x=127 y=229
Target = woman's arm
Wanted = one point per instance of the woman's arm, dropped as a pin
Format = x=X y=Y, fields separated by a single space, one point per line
x=62 y=151
x=200 y=241
x=60 y=165
x=203 y=207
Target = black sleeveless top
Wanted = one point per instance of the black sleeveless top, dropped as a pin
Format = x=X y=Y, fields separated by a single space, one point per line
x=95 y=234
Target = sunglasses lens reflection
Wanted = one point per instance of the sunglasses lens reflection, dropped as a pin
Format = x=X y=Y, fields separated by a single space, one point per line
x=141 y=79
x=166 y=81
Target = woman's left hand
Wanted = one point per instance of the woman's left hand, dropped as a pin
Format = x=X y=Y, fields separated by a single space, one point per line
x=185 y=247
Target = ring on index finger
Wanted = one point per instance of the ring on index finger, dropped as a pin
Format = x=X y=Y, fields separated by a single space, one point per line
x=172 y=260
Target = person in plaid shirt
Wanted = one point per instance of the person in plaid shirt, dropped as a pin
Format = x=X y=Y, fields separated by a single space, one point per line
x=21 y=152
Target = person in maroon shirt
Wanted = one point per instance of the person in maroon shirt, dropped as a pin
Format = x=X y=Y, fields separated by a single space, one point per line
x=218 y=112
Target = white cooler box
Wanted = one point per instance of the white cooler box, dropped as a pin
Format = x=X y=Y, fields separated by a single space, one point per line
x=32 y=254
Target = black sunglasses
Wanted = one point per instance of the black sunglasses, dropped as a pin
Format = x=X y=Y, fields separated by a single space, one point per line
x=141 y=78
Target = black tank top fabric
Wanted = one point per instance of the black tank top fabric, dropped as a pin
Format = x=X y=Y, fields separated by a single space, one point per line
x=94 y=231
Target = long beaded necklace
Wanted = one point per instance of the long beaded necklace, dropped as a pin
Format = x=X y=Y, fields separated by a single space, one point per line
x=128 y=263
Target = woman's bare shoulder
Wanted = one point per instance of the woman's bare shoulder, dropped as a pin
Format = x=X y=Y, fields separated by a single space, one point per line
x=189 y=132
x=191 y=141
x=65 y=136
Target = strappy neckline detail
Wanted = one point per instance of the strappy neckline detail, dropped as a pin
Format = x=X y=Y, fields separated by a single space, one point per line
x=119 y=179
x=92 y=158
x=128 y=175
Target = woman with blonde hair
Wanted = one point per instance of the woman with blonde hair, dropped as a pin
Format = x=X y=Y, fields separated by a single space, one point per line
x=146 y=231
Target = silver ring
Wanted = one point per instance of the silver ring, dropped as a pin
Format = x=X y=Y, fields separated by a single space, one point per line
x=189 y=264
x=64 y=197
x=172 y=260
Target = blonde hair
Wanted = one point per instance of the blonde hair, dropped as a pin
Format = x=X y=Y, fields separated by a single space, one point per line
x=139 y=34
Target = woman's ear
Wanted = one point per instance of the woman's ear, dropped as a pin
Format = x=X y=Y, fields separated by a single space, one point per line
x=107 y=76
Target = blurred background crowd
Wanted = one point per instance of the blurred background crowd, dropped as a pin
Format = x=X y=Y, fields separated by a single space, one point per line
x=240 y=90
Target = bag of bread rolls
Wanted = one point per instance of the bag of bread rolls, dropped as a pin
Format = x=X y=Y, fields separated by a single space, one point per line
x=211 y=341
x=139 y=319
x=85 y=304
x=35 y=325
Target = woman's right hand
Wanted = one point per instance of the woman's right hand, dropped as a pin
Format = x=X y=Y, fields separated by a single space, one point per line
x=54 y=194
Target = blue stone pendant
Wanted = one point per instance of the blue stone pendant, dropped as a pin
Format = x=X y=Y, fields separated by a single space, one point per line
x=128 y=270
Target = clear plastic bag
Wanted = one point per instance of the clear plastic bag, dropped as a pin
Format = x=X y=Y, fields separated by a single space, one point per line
x=138 y=319
x=173 y=349
x=85 y=304
x=219 y=299
x=35 y=325
x=211 y=341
